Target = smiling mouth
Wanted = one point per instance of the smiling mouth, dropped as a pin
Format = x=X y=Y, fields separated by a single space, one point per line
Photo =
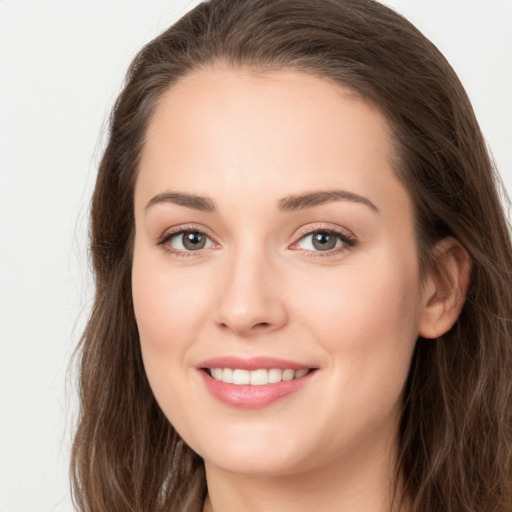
x=259 y=377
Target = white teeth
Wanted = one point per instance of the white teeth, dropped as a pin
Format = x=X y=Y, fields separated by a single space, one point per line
x=259 y=377
x=227 y=375
x=275 y=375
x=288 y=374
x=240 y=377
x=256 y=377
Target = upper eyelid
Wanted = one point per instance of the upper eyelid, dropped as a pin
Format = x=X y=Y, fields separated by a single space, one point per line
x=309 y=229
x=348 y=238
x=176 y=230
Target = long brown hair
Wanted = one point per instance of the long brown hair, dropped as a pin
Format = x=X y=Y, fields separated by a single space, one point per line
x=455 y=435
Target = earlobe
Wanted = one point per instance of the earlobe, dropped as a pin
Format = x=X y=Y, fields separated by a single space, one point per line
x=445 y=288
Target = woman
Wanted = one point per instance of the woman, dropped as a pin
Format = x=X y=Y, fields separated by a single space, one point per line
x=303 y=274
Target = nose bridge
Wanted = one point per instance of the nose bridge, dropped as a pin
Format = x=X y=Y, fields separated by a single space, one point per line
x=249 y=299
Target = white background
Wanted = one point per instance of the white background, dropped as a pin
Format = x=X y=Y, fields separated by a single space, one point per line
x=61 y=67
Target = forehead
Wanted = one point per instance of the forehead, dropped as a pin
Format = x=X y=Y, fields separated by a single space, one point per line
x=228 y=130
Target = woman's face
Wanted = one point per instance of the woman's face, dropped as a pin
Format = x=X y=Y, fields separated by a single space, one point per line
x=274 y=242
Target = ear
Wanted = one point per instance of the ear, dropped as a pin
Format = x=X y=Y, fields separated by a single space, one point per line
x=445 y=288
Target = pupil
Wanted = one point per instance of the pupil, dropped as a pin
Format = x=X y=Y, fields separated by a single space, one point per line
x=193 y=240
x=324 y=241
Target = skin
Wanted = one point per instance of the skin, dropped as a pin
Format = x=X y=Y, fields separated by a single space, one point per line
x=259 y=287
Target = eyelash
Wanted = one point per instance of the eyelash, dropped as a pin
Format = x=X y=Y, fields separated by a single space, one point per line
x=348 y=241
x=164 y=240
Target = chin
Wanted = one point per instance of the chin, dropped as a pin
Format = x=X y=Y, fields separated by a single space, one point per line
x=255 y=454
x=261 y=465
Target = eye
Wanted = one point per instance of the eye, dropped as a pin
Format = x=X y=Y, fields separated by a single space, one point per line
x=186 y=241
x=324 y=240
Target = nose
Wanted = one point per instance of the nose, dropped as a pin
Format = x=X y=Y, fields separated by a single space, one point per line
x=250 y=301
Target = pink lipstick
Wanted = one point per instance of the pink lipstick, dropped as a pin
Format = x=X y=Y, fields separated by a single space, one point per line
x=255 y=382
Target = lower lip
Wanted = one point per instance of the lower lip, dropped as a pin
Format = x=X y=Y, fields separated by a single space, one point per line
x=252 y=397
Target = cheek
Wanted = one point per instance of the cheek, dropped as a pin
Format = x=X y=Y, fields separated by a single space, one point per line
x=367 y=319
x=379 y=297
x=169 y=308
x=168 y=305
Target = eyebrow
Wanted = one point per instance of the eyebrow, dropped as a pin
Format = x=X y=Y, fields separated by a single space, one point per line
x=287 y=204
x=203 y=204
x=311 y=199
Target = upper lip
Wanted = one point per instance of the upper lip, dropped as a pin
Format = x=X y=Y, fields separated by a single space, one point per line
x=252 y=363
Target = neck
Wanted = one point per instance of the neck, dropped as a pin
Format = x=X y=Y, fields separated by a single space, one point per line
x=359 y=481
